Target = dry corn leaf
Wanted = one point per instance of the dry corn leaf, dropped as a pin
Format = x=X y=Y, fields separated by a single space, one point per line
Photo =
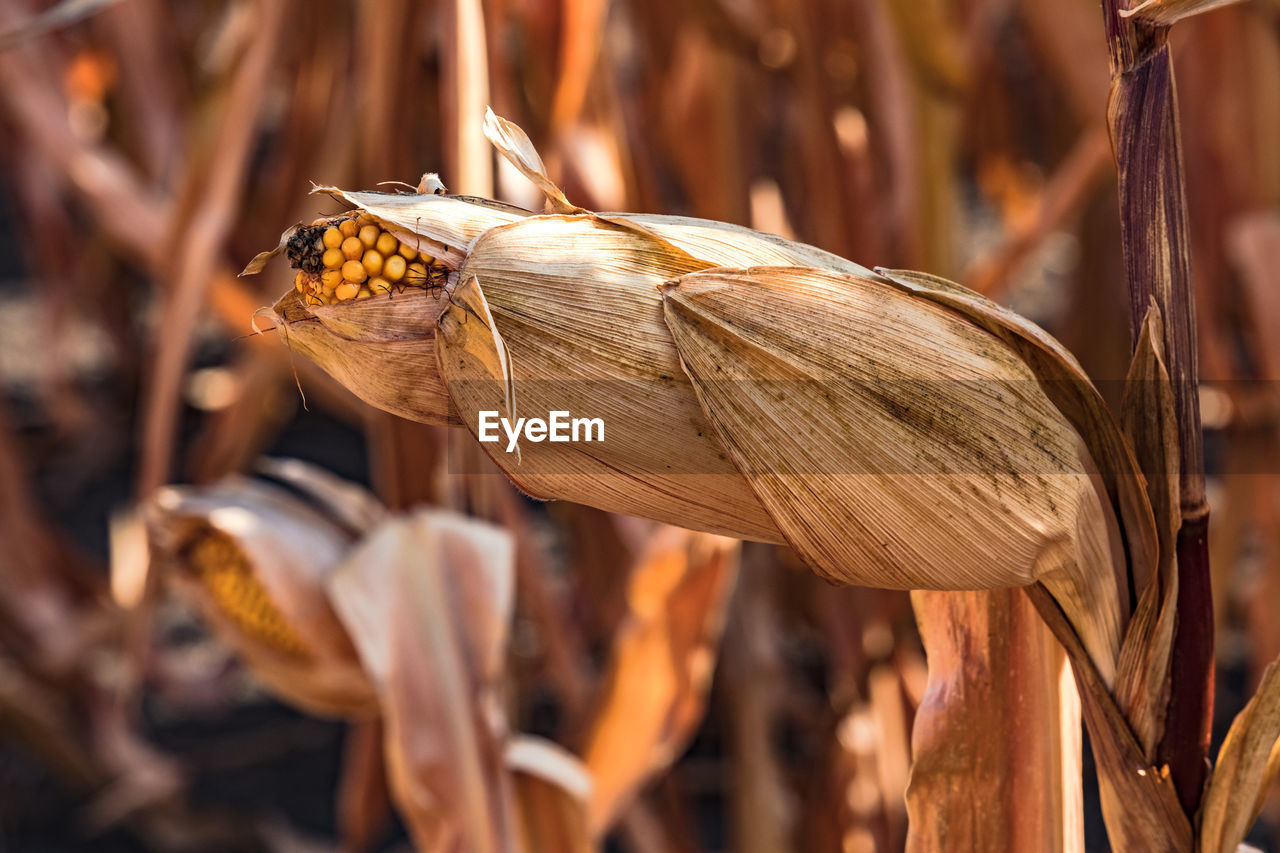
x=427 y=600
x=1000 y=768
x=255 y=559
x=1164 y=13
x=1150 y=423
x=973 y=480
x=1247 y=765
x=663 y=656
x=1139 y=802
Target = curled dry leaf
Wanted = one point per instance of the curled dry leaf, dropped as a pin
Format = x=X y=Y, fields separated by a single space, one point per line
x=427 y=600
x=1151 y=424
x=660 y=667
x=509 y=139
x=255 y=558
x=1247 y=765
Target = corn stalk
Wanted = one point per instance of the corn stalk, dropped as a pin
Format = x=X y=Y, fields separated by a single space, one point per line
x=1143 y=118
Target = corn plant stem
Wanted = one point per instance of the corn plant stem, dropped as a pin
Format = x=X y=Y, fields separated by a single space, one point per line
x=1142 y=114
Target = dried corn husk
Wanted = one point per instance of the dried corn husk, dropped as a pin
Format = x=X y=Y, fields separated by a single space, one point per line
x=974 y=480
x=427 y=599
x=564 y=312
x=383 y=338
x=255 y=559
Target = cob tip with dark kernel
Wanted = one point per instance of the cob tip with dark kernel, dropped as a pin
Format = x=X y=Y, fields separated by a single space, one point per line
x=346 y=257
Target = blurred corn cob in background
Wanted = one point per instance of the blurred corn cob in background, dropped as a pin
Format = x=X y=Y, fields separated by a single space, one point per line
x=256 y=559
x=342 y=608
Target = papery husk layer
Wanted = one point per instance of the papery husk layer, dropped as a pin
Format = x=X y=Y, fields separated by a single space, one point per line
x=382 y=349
x=587 y=323
x=897 y=444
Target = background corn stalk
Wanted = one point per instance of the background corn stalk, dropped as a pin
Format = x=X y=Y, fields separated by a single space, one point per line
x=843 y=128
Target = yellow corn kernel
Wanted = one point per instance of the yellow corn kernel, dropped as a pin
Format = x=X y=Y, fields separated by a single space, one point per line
x=345 y=291
x=332 y=258
x=229 y=581
x=300 y=281
x=372 y=262
x=416 y=274
x=331 y=278
x=348 y=228
x=352 y=248
x=353 y=271
x=364 y=293
x=364 y=219
x=378 y=284
x=408 y=252
x=387 y=244
x=393 y=268
x=332 y=238
x=369 y=235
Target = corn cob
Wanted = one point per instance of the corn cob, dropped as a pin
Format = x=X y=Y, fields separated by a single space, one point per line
x=227 y=577
x=254 y=559
x=341 y=258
